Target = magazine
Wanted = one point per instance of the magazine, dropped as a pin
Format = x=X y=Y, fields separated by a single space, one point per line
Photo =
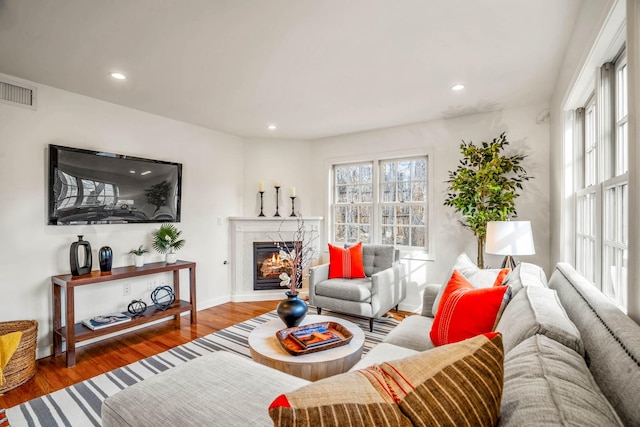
x=106 y=320
x=314 y=336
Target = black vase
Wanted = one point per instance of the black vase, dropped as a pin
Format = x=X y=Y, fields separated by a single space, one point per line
x=105 y=256
x=78 y=248
x=292 y=310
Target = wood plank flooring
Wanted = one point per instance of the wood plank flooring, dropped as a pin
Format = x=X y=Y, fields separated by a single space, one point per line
x=106 y=355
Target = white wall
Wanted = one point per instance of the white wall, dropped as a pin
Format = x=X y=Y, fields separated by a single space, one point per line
x=441 y=139
x=33 y=251
x=275 y=160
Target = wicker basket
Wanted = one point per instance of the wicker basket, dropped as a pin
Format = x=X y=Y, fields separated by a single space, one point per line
x=22 y=365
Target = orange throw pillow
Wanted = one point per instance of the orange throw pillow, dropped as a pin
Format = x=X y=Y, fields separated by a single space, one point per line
x=465 y=311
x=346 y=263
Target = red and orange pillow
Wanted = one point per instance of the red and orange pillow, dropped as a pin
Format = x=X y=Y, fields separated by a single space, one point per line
x=465 y=311
x=346 y=262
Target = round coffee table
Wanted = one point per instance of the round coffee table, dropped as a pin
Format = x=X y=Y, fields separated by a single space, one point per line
x=266 y=349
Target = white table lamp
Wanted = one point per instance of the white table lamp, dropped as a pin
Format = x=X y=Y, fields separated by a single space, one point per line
x=509 y=238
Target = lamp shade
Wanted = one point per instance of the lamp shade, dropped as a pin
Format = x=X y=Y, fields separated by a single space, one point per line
x=509 y=238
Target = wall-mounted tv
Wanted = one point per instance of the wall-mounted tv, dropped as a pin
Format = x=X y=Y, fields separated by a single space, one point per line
x=95 y=187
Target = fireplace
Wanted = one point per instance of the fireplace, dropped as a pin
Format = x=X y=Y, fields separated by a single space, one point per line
x=268 y=265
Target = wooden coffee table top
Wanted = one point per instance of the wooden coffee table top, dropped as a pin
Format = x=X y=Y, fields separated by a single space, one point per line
x=266 y=349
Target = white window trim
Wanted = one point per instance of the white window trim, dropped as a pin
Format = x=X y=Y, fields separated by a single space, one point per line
x=416 y=254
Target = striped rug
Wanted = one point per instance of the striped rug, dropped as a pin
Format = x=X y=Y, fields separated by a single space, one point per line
x=79 y=405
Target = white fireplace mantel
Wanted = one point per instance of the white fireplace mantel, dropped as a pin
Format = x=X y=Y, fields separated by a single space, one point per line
x=244 y=231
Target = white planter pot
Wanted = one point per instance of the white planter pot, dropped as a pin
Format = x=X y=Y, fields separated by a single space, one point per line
x=171 y=258
x=139 y=260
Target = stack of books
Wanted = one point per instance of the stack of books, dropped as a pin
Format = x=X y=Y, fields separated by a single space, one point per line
x=314 y=336
x=106 y=320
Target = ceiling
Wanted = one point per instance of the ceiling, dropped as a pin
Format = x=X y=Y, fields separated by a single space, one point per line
x=315 y=68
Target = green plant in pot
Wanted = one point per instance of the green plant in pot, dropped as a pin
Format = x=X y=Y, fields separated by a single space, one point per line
x=485 y=186
x=138 y=255
x=166 y=240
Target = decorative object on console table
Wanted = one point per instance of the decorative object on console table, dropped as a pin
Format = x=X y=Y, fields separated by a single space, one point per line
x=166 y=240
x=509 y=238
x=277 y=187
x=163 y=297
x=105 y=258
x=138 y=255
x=105 y=321
x=293 y=310
x=80 y=257
x=485 y=186
x=137 y=307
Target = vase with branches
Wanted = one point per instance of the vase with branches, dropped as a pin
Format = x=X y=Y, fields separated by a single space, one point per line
x=485 y=186
x=300 y=255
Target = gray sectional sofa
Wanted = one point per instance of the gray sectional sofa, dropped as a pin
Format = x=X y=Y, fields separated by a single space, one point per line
x=571 y=358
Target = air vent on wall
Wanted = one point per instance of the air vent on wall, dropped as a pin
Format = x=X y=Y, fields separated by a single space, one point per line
x=18 y=95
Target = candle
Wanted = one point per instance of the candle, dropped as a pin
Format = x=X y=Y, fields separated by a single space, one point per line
x=292 y=192
x=260 y=186
x=277 y=184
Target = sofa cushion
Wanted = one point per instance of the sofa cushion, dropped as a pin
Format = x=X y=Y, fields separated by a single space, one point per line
x=537 y=310
x=465 y=311
x=525 y=275
x=478 y=277
x=547 y=383
x=412 y=333
x=458 y=384
x=221 y=388
x=358 y=290
x=383 y=352
x=346 y=262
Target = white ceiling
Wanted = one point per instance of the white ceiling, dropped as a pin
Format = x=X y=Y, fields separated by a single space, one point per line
x=314 y=67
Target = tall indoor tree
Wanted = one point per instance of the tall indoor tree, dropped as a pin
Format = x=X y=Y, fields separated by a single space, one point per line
x=485 y=186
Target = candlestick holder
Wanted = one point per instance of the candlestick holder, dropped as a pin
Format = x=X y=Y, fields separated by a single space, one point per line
x=261 y=196
x=293 y=205
x=277 y=197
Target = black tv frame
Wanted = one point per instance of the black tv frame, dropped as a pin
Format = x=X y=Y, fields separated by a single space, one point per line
x=115 y=213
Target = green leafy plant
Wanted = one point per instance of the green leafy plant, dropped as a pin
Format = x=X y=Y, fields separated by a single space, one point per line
x=485 y=186
x=140 y=251
x=167 y=239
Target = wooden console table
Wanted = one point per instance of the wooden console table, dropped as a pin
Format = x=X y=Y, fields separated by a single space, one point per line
x=78 y=332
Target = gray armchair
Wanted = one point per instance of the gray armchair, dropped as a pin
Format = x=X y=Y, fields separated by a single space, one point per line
x=381 y=290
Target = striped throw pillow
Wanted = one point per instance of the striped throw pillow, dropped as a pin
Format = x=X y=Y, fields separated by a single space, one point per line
x=346 y=262
x=465 y=311
x=452 y=385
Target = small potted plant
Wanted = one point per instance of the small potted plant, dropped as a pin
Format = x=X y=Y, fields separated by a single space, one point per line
x=138 y=255
x=166 y=240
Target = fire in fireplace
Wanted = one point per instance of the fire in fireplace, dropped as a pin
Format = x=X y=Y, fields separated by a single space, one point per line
x=268 y=265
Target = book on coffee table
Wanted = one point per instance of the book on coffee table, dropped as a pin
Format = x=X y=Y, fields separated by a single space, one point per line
x=106 y=320
x=314 y=336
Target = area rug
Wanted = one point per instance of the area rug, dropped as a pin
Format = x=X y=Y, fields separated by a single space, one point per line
x=79 y=404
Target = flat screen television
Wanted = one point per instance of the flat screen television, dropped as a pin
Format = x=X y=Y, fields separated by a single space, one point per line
x=95 y=187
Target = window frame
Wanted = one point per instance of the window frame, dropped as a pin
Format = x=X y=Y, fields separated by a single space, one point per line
x=422 y=253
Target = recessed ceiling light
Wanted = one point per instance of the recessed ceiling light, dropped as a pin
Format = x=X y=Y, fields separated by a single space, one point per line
x=118 y=76
x=457 y=87
x=272 y=127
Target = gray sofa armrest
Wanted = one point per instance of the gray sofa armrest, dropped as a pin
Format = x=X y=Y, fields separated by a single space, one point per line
x=387 y=289
x=428 y=297
x=316 y=275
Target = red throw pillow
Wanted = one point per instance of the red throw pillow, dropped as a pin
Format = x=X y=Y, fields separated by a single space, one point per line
x=501 y=276
x=346 y=263
x=465 y=311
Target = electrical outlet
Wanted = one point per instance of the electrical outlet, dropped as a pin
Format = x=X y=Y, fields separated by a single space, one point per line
x=126 y=289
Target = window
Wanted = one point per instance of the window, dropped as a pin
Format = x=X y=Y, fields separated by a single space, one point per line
x=382 y=201
x=601 y=195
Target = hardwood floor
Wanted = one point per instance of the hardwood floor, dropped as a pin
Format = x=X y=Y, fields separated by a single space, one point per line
x=106 y=355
